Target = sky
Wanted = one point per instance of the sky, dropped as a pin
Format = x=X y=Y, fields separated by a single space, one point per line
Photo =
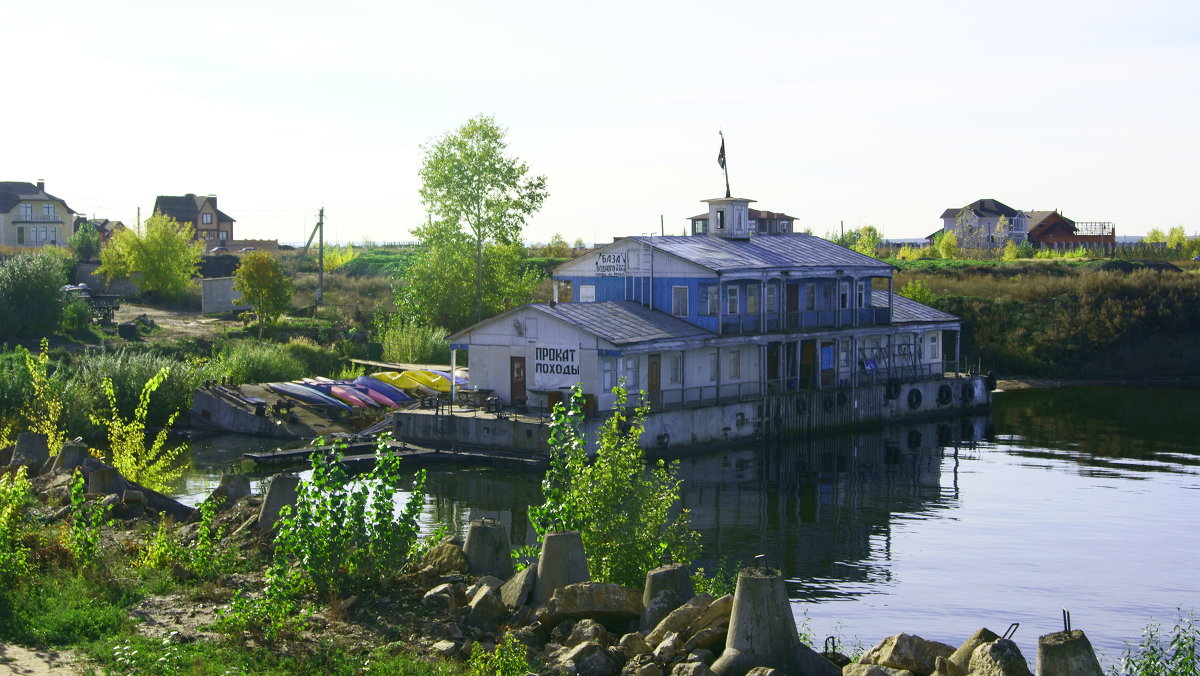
x=864 y=113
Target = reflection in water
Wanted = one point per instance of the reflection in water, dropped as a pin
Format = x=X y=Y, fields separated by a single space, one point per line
x=1075 y=498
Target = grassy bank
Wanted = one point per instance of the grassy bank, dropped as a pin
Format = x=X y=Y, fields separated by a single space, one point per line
x=1070 y=320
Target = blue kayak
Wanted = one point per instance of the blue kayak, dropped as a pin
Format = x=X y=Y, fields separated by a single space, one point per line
x=307 y=395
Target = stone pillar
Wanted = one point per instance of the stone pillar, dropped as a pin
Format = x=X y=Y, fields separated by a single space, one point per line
x=487 y=549
x=71 y=456
x=762 y=631
x=281 y=492
x=1067 y=653
x=562 y=563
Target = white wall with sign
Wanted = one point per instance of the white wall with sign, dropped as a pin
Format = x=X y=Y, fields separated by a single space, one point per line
x=555 y=367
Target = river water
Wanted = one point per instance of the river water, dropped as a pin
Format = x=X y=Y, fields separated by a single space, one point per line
x=1084 y=499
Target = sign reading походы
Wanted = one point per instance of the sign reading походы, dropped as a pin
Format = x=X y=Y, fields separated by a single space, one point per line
x=555 y=367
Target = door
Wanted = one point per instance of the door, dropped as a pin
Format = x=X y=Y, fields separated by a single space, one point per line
x=808 y=363
x=654 y=378
x=516 y=380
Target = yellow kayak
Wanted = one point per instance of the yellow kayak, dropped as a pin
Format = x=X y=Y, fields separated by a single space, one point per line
x=430 y=380
x=397 y=379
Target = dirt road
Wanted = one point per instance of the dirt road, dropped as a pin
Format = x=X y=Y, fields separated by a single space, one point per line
x=175 y=323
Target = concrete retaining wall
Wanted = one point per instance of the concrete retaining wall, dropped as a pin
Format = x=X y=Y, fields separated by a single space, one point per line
x=217 y=296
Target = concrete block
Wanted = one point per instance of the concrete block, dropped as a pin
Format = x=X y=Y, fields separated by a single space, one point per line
x=673 y=578
x=32 y=445
x=280 y=493
x=762 y=632
x=106 y=481
x=562 y=563
x=1067 y=653
x=962 y=656
x=71 y=456
x=487 y=549
x=237 y=486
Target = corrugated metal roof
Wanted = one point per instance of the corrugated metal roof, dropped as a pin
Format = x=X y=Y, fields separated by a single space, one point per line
x=906 y=311
x=775 y=251
x=623 y=322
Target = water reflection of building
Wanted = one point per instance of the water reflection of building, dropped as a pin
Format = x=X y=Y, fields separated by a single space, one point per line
x=821 y=509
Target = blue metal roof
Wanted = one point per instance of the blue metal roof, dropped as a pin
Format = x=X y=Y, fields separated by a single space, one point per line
x=773 y=251
x=908 y=311
x=623 y=322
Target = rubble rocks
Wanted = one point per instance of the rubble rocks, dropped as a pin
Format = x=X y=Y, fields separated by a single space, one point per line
x=516 y=591
x=907 y=652
x=861 y=669
x=998 y=658
x=607 y=603
x=667 y=587
x=562 y=563
x=444 y=560
x=486 y=609
x=680 y=619
x=962 y=657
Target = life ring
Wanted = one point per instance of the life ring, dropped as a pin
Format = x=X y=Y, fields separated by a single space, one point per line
x=842 y=399
x=827 y=403
x=968 y=392
x=914 y=398
x=944 y=395
x=893 y=389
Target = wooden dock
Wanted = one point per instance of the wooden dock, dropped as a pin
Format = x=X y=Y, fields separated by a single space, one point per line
x=360 y=456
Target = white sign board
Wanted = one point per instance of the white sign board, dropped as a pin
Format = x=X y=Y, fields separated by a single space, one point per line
x=555 y=367
x=610 y=265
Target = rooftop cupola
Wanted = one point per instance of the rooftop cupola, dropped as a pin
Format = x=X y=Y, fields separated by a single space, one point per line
x=729 y=218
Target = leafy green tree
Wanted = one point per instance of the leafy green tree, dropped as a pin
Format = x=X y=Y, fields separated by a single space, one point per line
x=85 y=242
x=1011 y=252
x=263 y=284
x=162 y=250
x=867 y=240
x=1155 y=235
x=918 y=290
x=31 y=302
x=579 y=243
x=620 y=505
x=1176 y=238
x=947 y=244
x=436 y=288
x=557 y=247
x=471 y=186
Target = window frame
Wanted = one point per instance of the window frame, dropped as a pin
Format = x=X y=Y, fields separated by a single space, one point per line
x=735 y=364
x=675 y=301
x=732 y=300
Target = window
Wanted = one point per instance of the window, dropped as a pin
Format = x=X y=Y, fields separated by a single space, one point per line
x=48 y=210
x=699 y=226
x=772 y=298
x=934 y=351
x=53 y=235
x=752 y=299
x=714 y=365
x=862 y=294
x=844 y=288
x=731 y=300
x=206 y=219
x=720 y=219
x=26 y=210
x=810 y=297
x=223 y=235
x=712 y=300
x=608 y=373
x=587 y=293
x=676 y=369
x=630 y=373
x=20 y=236
x=735 y=364
x=679 y=301
x=844 y=353
x=783 y=226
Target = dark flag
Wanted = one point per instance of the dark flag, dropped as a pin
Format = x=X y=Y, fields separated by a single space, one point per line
x=721 y=155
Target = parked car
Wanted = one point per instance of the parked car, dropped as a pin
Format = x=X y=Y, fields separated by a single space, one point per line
x=247 y=248
x=218 y=249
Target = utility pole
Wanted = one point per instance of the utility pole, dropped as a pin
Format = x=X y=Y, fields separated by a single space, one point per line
x=320 y=256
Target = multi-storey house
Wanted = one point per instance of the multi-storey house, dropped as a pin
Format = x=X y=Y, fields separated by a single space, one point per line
x=32 y=217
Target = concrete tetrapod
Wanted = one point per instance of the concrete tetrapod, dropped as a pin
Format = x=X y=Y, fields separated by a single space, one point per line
x=762 y=631
x=281 y=492
x=1067 y=653
x=487 y=549
x=674 y=584
x=562 y=563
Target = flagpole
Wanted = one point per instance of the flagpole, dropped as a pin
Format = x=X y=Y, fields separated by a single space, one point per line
x=724 y=164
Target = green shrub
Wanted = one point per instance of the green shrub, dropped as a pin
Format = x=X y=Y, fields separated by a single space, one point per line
x=206 y=558
x=1156 y=654
x=316 y=360
x=130 y=370
x=83 y=533
x=246 y=361
x=155 y=466
x=16 y=494
x=409 y=342
x=76 y=318
x=31 y=303
x=620 y=506
x=508 y=659
x=344 y=534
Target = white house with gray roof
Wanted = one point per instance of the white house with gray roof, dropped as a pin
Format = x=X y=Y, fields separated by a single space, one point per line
x=722 y=315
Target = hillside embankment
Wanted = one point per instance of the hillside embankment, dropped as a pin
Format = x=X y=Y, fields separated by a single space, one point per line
x=1042 y=322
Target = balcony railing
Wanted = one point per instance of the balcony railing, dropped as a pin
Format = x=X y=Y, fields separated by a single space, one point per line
x=804 y=321
x=37 y=218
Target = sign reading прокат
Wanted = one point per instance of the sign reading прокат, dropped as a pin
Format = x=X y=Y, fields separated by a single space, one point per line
x=555 y=367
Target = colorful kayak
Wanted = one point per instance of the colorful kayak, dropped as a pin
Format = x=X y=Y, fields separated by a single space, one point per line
x=398 y=396
x=431 y=380
x=308 y=395
x=398 y=380
x=461 y=382
x=377 y=397
x=344 y=393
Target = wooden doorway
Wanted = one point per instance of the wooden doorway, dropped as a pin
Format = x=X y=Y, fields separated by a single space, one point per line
x=808 y=363
x=654 y=378
x=516 y=380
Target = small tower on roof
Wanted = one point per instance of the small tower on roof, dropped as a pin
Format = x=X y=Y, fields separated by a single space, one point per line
x=729 y=218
